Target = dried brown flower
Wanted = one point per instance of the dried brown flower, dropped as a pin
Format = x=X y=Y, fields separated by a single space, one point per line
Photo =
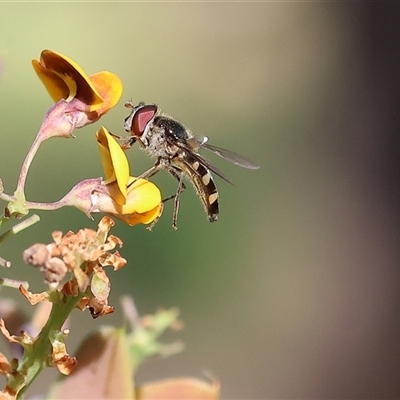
x=82 y=256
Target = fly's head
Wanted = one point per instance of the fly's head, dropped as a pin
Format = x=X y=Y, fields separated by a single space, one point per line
x=159 y=134
x=138 y=123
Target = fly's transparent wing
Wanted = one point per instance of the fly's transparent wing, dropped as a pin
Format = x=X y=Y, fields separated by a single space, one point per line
x=211 y=167
x=231 y=156
x=189 y=148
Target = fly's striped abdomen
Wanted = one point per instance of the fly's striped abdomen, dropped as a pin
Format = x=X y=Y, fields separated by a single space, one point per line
x=203 y=182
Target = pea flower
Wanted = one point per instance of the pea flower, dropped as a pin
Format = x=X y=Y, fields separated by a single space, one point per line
x=125 y=197
x=134 y=201
x=82 y=98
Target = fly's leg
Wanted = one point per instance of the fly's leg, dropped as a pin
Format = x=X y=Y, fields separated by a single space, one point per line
x=181 y=187
x=118 y=137
x=149 y=173
x=179 y=190
x=151 y=226
x=128 y=142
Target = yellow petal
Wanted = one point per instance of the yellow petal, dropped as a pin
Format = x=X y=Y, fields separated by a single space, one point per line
x=55 y=85
x=115 y=164
x=143 y=195
x=144 y=218
x=110 y=88
x=54 y=67
x=143 y=202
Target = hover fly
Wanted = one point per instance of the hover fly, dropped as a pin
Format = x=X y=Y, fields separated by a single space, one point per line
x=177 y=151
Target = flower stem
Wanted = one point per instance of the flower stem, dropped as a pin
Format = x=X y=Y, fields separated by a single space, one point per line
x=6 y=197
x=13 y=283
x=31 y=205
x=27 y=163
x=37 y=357
x=19 y=227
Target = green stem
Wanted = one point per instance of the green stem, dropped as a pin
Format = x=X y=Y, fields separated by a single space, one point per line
x=19 y=227
x=6 y=197
x=13 y=283
x=36 y=358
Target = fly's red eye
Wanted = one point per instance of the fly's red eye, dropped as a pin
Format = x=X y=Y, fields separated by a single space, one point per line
x=141 y=118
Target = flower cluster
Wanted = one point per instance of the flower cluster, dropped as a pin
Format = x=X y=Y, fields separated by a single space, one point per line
x=81 y=100
x=83 y=255
x=74 y=264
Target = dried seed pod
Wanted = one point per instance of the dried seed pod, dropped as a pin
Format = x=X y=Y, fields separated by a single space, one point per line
x=54 y=270
x=36 y=255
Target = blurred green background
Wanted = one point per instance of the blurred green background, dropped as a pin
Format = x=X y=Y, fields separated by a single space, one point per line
x=294 y=292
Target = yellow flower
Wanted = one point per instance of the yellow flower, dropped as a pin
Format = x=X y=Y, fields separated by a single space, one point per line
x=132 y=200
x=115 y=164
x=127 y=198
x=89 y=97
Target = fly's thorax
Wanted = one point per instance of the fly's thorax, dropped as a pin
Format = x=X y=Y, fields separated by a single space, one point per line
x=155 y=142
x=173 y=130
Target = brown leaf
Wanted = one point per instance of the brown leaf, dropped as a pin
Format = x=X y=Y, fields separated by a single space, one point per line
x=64 y=362
x=24 y=339
x=103 y=372
x=34 y=298
x=5 y=367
